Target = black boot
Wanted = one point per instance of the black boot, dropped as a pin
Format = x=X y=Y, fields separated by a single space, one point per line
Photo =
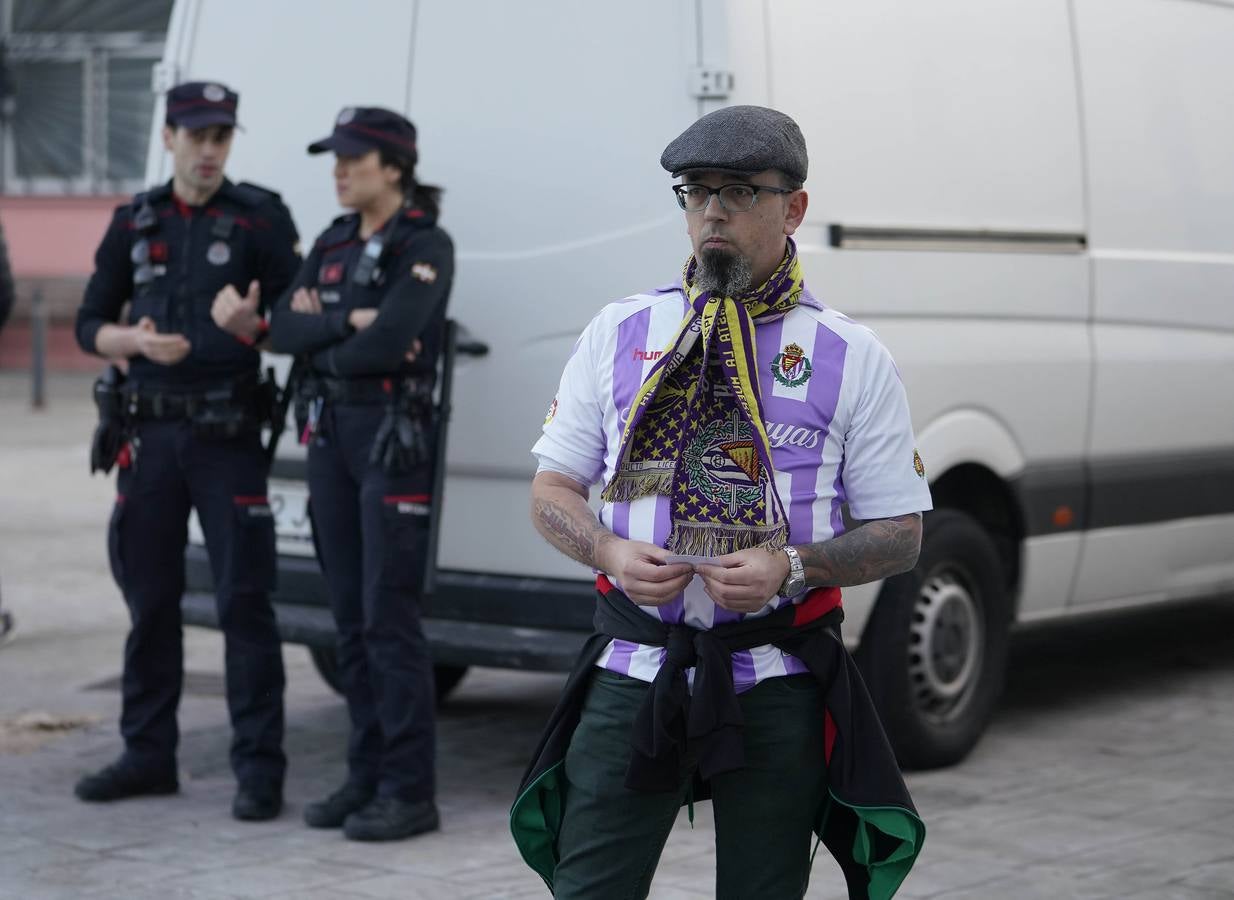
x=334 y=810
x=257 y=802
x=391 y=819
x=125 y=778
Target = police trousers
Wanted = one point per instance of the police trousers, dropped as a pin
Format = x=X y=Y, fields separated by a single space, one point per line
x=371 y=533
x=612 y=837
x=225 y=481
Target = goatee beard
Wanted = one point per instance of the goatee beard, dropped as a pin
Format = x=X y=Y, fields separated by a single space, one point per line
x=723 y=273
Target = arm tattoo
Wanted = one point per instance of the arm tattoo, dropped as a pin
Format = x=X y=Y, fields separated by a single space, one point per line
x=875 y=549
x=575 y=532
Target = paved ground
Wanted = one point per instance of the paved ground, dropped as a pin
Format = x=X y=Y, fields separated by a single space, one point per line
x=1107 y=773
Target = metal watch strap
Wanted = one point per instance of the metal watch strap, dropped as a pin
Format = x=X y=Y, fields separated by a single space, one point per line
x=796 y=578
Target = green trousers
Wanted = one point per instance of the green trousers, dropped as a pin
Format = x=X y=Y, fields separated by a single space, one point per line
x=612 y=837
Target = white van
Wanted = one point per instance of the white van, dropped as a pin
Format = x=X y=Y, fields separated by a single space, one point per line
x=1029 y=200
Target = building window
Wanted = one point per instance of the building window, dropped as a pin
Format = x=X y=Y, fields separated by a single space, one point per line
x=77 y=91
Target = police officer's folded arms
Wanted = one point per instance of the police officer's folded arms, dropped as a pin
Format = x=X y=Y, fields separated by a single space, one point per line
x=365 y=317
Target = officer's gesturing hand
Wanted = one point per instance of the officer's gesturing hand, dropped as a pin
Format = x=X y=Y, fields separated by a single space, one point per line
x=643 y=571
x=744 y=581
x=238 y=316
x=306 y=300
x=166 y=349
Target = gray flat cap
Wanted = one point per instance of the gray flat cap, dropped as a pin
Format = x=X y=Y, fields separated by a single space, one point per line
x=739 y=139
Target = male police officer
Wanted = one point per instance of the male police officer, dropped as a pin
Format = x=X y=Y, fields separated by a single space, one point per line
x=197 y=258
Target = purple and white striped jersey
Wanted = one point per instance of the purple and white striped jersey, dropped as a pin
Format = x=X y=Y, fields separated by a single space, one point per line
x=836 y=415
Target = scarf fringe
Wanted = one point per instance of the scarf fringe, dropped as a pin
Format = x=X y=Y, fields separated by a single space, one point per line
x=710 y=539
x=625 y=487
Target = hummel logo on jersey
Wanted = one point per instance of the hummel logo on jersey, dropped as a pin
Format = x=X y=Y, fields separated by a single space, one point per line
x=647 y=355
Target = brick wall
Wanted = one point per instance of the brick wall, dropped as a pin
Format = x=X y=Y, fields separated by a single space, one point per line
x=51 y=248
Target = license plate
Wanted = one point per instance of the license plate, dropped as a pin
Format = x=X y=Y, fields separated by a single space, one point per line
x=289 y=504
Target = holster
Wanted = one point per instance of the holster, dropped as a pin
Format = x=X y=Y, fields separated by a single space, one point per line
x=112 y=431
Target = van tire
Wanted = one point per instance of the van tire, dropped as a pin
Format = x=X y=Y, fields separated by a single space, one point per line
x=445 y=678
x=954 y=605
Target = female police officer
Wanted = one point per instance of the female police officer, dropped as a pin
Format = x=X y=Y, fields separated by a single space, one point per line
x=374 y=286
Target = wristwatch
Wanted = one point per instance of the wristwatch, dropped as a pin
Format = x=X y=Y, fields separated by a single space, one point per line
x=795 y=583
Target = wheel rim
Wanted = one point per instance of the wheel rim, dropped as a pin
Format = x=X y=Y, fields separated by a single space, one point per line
x=945 y=644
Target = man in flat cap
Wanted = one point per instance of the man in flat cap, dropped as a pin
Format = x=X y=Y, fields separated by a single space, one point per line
x=196 y=260
x=728 y=418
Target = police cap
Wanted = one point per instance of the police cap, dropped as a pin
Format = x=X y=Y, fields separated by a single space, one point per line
x=739 y=139
x=197 y=104
x=359 y=129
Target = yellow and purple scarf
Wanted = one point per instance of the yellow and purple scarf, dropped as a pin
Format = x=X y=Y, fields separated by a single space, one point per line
x=695 y=431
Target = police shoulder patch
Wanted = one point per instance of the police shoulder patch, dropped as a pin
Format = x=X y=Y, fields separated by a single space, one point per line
x=423 y=271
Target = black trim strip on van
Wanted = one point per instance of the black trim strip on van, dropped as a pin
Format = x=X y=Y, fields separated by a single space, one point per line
x=865 y=237
x=1112 y=493
x=1139 y=491
x=1053 y=498
x=289 y=469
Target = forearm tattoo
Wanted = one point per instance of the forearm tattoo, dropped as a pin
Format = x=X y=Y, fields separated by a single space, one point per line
x=575 y=532
x=875 y=549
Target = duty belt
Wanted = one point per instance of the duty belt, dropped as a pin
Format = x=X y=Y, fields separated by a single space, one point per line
x=365 y=391
x=160 y=405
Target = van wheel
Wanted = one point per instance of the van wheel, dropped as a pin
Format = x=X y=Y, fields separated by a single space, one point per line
x=934 y=653
x=446 y=678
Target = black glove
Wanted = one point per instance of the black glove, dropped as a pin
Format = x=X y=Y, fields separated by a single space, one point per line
x=401 y=443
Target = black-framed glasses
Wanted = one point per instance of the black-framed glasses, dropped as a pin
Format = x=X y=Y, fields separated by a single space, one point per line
x=733 y=197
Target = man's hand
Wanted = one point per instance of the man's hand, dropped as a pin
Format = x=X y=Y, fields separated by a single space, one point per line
x=743 y=582
x=360 y=319
x=306 y=301
x=645 y=576
x=165 y=349
x=560 y=513
x=237 y=315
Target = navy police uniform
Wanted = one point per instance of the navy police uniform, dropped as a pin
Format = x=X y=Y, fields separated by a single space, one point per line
x=193 y=441
x=365 y=412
